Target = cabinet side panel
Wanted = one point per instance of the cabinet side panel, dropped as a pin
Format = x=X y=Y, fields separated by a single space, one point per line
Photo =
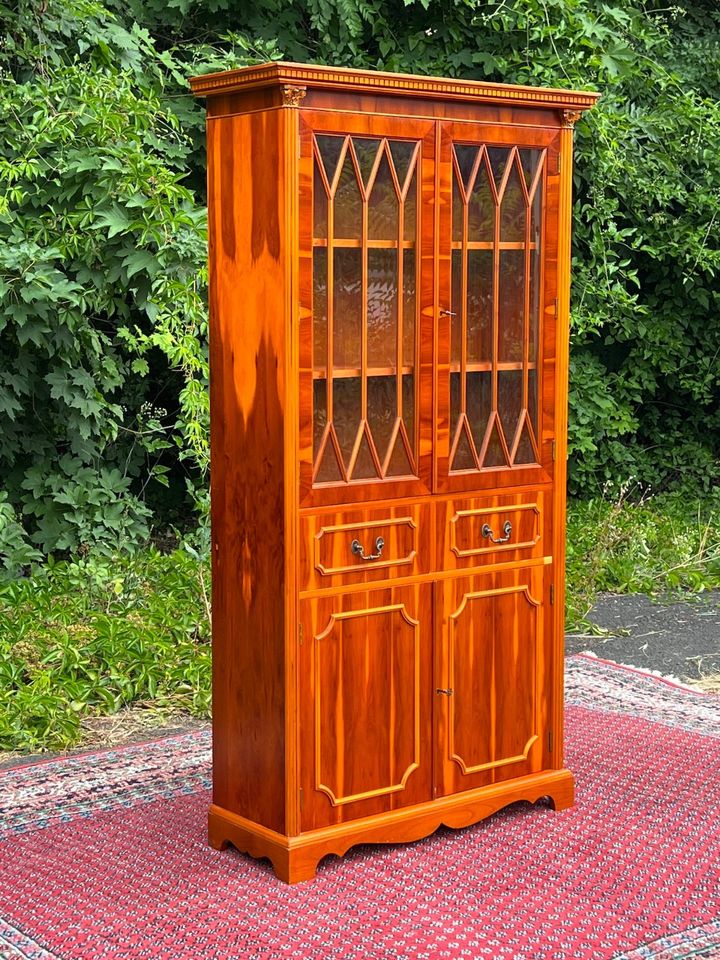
x=247 y=235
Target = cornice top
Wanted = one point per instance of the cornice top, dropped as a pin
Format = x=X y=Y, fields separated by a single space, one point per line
x=402 y=84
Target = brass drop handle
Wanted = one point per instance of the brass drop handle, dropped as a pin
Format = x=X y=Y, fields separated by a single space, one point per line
x=357 y=548
x=487 y=532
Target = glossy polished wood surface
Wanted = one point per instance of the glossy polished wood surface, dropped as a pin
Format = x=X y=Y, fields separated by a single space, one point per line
x=389 y=295
x=365 y=715
x=247 y=357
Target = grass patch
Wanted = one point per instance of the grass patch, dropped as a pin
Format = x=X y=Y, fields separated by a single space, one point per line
x=128 y=638
x=626 y=542
x=87 y=638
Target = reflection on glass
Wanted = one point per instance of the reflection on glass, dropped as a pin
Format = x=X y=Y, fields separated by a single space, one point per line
x=535 y=240
x=510 y=389
x=330 y=149
x=319 y=307
x=410 y=227
x=409 y=307
x=348 y=203
x=366 y=152
x=320 y=206
x=347 y=315
x=512 y=209
x=373 y=407
x=511 y=314
x=479 y=404
x=479 y=305
x=408 y=393
x=456 y=307
x=381 y=410
x=382 y=308
x=481 y=209
x=383 y=205
x=346 y=413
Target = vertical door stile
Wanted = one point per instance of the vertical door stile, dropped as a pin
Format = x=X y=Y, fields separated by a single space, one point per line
x=330 y=298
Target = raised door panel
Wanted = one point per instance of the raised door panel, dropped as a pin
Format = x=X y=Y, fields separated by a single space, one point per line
x=365 y=704
x=493 y=676
x=366 y=307
x=497 y=250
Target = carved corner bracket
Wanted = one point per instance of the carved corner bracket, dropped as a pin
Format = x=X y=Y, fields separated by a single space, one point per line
x=292 y=96
x=570 y=118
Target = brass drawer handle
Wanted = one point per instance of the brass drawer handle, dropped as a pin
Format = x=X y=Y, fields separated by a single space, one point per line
x=487 y=532
x=356 y=547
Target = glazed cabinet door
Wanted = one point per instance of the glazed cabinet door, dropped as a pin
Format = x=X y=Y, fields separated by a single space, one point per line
x=366 y=306
x=493 y=672
x=365 y=703
x=496 y=305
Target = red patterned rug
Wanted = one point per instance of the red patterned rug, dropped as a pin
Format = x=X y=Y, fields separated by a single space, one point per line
x=104 y=856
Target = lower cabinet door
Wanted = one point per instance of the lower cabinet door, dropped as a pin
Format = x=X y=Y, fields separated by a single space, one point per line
x=365 y=701
x=492 y=674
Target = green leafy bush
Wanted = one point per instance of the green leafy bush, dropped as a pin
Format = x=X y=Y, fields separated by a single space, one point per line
x=102 y=232
x=90 y=636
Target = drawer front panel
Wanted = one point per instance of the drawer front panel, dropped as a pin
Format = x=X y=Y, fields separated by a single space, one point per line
x=365 y=546
x=496 y=529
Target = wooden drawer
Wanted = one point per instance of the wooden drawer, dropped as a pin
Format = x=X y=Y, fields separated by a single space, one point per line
x=466 y=529
x=333 y=545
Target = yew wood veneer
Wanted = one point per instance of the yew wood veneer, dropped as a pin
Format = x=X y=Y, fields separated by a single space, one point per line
x=389 y=285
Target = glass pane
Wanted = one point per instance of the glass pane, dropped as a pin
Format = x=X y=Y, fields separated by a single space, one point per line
x=466 y=156
x=454 y=403
x=330 y=149
x=408 y=395
x=382 y=308
x=512 y=209
x=457 y=212
x=346 y=413
x=410 y=227
x=319 y=206
x=382 y=411
x=402 y=153
x=533 y=402
x=319 y=414
x=479 y=305
x=524 y=452
x=494 y=455
x=347 y=316
x=409 y=305
x=510 y=385
x=481 y=211
x=511 y=305
x=535 y=251
x=529 y=160
x=365 y=468
x=498 y=157
x=319 y=308
x=348 y=203
x=366 y=152
x=456 y=307
x=383 y=205
x=399 y=465
x=479 y=404
x=463 y=459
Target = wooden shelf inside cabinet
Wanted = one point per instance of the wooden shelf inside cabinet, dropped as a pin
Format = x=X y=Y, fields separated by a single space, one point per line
x=387 y=509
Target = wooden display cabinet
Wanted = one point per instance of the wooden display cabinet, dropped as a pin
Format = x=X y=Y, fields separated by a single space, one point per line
x=389 y=284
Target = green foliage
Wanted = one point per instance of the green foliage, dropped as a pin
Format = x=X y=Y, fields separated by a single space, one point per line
x=103 y=364
x=624 y=542
x=102 y=267
x=90 y=636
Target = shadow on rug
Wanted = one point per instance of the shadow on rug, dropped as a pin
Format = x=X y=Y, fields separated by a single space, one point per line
x=104 y=855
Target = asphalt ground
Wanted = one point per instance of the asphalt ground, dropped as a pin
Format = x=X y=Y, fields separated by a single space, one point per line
x=678 y=638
